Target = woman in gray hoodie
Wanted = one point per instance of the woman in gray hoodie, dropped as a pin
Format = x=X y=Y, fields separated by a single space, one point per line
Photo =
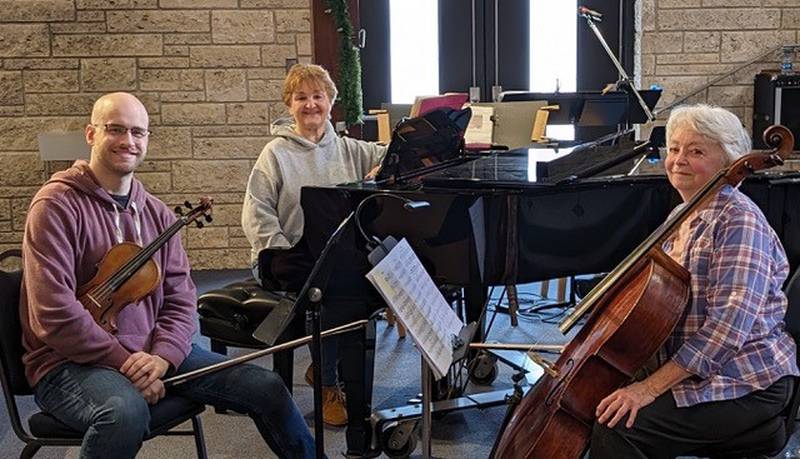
x=306 y=152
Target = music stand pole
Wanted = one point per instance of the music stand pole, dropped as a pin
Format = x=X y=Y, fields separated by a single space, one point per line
x=625 y=77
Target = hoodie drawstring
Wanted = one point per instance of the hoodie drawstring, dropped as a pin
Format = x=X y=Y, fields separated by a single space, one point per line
x=137 y=223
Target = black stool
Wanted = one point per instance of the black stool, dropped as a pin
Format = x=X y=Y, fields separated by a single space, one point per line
x=230 y=315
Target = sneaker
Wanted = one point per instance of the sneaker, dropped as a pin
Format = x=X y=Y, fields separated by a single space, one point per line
x=334 y=412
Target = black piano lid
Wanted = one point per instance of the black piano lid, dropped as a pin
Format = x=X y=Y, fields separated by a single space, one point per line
x=512 y=169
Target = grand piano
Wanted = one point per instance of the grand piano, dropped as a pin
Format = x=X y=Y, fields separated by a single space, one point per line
x=494 y=219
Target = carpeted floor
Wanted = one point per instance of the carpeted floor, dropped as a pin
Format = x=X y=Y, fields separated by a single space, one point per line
x=463 y=434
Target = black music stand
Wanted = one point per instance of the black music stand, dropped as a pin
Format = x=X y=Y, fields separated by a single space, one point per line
x=310 y=300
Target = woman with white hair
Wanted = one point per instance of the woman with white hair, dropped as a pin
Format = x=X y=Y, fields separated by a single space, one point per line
x=727 y=366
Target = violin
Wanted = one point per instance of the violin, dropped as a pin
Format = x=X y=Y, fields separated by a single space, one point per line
x=127 y=273
x=634 y=310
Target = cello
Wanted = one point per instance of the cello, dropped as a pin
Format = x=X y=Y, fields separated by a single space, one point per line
x=634 y=310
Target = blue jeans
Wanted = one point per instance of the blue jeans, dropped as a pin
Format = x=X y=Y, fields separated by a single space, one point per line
x=105 y=404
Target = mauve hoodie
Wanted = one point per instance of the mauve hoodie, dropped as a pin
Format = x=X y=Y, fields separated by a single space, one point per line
x=69 y=228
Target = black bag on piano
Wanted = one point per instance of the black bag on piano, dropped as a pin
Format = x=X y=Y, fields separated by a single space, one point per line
x=434 y=138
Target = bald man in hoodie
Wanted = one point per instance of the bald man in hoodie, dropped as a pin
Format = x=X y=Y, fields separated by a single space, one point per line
x=105 y=383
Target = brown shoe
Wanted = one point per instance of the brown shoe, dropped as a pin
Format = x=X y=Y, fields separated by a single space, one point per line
x=333 y=406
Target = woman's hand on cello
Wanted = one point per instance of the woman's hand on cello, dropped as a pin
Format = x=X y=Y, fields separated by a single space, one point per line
x=628 y=400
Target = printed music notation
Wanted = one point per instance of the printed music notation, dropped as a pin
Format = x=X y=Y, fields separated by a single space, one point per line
x=409 y=290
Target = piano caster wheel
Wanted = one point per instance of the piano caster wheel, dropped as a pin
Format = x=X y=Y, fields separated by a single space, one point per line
x=483 y=369
x=398 y=441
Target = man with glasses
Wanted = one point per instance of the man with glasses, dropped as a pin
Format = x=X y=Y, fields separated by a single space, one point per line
x=103 y=382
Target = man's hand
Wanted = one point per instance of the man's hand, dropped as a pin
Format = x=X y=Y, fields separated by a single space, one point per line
x=154 y=392
x=144 y=370
x=629 y=399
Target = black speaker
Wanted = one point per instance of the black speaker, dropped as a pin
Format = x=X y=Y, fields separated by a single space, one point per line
x=776 y=101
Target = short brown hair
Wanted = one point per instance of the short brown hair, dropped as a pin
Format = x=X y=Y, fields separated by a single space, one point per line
x=308 y=73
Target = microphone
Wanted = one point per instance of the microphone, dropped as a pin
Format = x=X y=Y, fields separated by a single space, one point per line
x=590 y=14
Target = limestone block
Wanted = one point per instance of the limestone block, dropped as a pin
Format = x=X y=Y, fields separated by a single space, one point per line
x=719 y=19
x=648 y=64
x=152 y=103
x=51 y=81
x=224 y=56
x=41 y=64
x=648 y=15
x=259 y=130
x=91 y=16
x=701 y=42
x=731 y=95
x=163 y=62
x=781 y=2
x=59 y=104
x=156 y=182
x=198 y=4
x=24 y=40
x=11 y=88
x=171 y=79
x=293 y=20
x=688 y=58
x=210 y=176
x=662 y=42
x=693 y=69
x=219 y=258
x=21 y=170
x=678 y=3
x=210 y=236
x=176 y=50
x=248 y=113
x=743 y=46
x=238 y=242
x=170 y=142
x=730 y=3
x=104 y=4
x=304 y=47
x=36 y=10
x=107 y=45
x=154 y=165
x=187 y=38
x=19 y=134
x=791 y=18
x=183 y=96
x=108 y=74
x=675 y=86
x=265 y=89
x=226 y=85
x=276 y=55
x=229 y=147
x=266 y=74
x=276 y=4
x=287 y=38
x=278 y=110
x=77 y=27
x=242 y=26
x=5 y=209
x=192 y=114
x=12 y=110
x=157 y=21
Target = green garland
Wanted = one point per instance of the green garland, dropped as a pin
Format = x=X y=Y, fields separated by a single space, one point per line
x=349 y=83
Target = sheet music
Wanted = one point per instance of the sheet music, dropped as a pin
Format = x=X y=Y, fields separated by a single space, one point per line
x=409 y=290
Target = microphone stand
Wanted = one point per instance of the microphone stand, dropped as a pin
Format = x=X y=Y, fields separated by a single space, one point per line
x=590 y=19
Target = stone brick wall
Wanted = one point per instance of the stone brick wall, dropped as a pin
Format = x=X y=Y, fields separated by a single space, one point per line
x=209 y=72
x=685 y=43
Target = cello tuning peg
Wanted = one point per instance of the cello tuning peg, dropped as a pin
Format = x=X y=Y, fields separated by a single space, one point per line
x=208 y=218
x=179 y=210
x=199 y=224
x=187 y=204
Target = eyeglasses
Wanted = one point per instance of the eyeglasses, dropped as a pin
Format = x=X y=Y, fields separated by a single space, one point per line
x=117 y=130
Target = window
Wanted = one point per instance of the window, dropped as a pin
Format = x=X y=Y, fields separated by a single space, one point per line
x=414 y=48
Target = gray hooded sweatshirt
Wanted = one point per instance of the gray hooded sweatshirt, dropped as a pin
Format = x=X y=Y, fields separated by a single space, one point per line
x=271 y=216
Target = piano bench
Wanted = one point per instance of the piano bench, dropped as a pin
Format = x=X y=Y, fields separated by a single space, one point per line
x=229 y=316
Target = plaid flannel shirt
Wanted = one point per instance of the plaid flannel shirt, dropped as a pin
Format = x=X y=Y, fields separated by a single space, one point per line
x=731 y=337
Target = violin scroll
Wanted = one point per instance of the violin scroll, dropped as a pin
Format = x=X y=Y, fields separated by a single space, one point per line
x=777 y=137
x=780 y=139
